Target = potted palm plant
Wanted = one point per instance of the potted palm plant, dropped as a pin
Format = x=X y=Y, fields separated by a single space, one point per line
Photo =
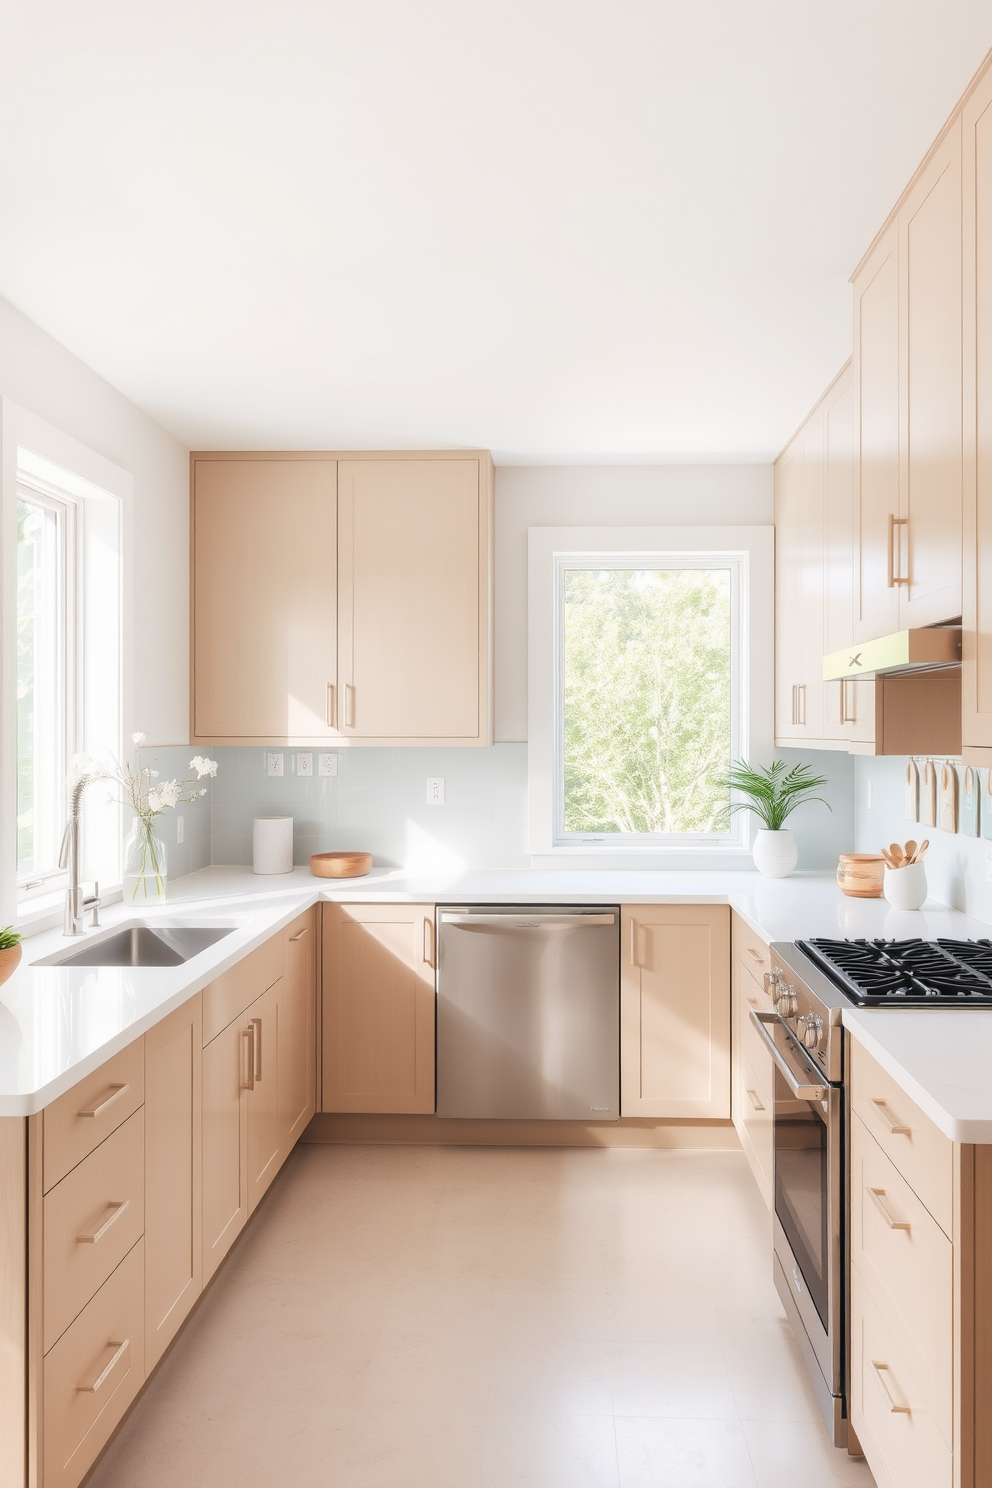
x=773 y=792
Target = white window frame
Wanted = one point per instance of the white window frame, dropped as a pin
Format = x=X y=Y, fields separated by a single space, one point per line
x=749 y=552
x=31 y=487
x=34 y=452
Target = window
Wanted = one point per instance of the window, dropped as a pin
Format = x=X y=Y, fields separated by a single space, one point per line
x=45 y=651
x=647 y=677
x=643 y=688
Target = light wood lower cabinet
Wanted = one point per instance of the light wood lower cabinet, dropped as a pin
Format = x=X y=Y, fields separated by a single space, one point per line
x=173 y=1125
x=262 y=1094
x=675 y=1010
x=378 y=1008
x=225 y=1142
x=753 y=1079
x=298 y=1031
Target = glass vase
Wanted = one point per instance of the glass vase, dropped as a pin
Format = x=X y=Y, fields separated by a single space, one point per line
x=145 y=860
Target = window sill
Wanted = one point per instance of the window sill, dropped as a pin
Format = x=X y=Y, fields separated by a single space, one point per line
x=45 y=912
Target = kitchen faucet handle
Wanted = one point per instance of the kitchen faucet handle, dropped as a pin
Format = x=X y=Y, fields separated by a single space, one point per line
x=93 y=902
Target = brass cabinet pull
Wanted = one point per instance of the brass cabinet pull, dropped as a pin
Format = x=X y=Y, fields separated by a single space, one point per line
x=248 y=1065
x=116 y=1091
x=755 y=955
x=877 y=1196
x=896 y=579
x=752 y=1096
x=256 y=1049
x=881 y=1370
x=93 y=1385
x=332 y=711
x=428 y=942
x=92 y=1237
x=896 y=1128
x=801 y=690
x=349 y=705
x=633 y=942
x=298 y=936
x=847 y=694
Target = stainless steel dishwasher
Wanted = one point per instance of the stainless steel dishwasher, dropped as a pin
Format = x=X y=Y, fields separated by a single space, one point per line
x=528 y=1012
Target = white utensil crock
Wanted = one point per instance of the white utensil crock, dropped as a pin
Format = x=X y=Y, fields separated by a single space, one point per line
x=906 y=888
x=272 y=844
x=775 y=853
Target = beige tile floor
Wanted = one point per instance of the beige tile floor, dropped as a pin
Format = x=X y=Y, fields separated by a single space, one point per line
x=472 y=1318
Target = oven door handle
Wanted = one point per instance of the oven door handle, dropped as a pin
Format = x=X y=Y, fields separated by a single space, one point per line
x=802 y=1091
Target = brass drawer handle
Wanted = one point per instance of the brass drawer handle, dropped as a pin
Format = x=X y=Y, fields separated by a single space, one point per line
x=298 y=936
x=428 y=942
x=752 y=1096
x=247 y=1079
x=332 y=712
x=755 y=956
x=256 y=1050
x=116 y=1091
x=92 y=1237
x=881 y=1370
x=95 y=1384
x=877 y=1196
x=896 y=1128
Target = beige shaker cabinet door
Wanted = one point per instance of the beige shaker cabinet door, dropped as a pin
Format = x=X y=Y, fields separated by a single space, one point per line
x=226 y=1075
x=675 y=1011
x=264 y=1155
x=930 y=346
x=789 y=593
x=297 y=1031
x=413 y=600
x=264 y=599
x=977 y=322
x=173 y=1133
x=378 y=1008
x=879 y=545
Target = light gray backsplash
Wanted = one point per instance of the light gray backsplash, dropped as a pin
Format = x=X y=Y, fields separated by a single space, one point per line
x=822 y=834
x=172 y=763
x=955 y=863
x=377 y=802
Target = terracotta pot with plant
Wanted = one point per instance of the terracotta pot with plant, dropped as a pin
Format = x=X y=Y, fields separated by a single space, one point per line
x=10 y=953
x=773 y=792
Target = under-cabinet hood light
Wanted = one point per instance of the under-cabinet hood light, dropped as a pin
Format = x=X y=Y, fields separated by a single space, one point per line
x=903 y=651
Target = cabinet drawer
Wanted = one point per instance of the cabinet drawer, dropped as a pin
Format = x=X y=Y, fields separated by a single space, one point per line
x=233 y=991
x=92 y=1219
x=78 y=1121
x=900 y=1437
x=751 y=951
x=907 y=1263
x=93 y=1373
x=919 y=1151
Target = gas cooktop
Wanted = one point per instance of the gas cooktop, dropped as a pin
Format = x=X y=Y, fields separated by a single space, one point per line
x=907 y=973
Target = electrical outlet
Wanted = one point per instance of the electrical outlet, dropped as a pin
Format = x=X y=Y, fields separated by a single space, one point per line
x=180 y=829
x=273 y=763
x=327 y=764
x=435 y=790
x=304 y=766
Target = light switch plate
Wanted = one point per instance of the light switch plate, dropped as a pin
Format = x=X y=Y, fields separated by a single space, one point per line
x=304 y=766
x=327 y=764
x=274 y=763
x=435 y=790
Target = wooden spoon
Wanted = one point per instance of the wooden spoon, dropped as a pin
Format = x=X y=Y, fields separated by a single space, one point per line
x=922 y=852
x=897 y=854
x=889 y=858
x=910 y=851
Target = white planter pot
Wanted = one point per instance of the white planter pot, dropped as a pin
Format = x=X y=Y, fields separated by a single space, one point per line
x=775 y=853
x=906 y=888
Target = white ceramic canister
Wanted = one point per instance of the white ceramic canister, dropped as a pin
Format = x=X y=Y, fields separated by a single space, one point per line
x=775 y=853
x=906 y=888
x=272 y=844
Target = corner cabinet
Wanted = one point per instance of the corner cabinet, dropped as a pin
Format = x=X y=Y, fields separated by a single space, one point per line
x=341 y=599
x=675 y=1011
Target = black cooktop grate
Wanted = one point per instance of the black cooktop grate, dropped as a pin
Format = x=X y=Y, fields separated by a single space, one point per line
x=907 y=973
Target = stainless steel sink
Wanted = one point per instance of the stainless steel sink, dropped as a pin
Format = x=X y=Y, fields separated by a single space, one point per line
x=144 y=945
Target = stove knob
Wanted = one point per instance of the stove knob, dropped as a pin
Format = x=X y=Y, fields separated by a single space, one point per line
x=812 y=1027
x=788 y=1004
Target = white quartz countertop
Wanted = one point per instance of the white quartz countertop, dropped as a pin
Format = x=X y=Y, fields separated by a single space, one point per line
x=58 y=1023
x=942 y=1058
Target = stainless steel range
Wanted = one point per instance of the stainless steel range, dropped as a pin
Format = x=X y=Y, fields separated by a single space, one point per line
x=812 y=982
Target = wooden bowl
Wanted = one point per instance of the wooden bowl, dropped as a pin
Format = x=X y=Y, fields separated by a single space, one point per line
x=340 y=864
x=861 y=875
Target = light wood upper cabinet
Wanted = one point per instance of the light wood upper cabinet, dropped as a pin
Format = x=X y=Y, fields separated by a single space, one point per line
x=789 y=675
x=342 y=600
x=977 y=384
x=378 y=1008
x=264 y=599
x=173 y=1259
x=413 y=576
x=675 y=1011
x=908 y=328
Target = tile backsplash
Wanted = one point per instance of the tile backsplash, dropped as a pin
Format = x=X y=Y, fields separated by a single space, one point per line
x=172 y=763
x=377 y=801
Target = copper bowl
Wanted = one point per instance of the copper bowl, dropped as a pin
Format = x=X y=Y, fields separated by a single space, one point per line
x=861 y=875
x=340 y=864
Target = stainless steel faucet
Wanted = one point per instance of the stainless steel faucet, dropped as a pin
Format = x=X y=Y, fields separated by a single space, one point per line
x=77 y=904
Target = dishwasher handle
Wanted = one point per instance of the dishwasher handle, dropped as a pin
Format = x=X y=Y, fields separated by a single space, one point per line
x=526 y=921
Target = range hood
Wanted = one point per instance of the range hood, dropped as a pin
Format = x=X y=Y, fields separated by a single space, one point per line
x=903 y=651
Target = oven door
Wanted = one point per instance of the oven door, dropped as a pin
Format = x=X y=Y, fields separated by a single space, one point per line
x=807 y=1224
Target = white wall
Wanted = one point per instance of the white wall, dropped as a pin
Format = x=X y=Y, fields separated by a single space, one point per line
x=43 y=377
x=607 y=496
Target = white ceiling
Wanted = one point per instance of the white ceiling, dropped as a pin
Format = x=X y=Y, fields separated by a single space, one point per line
x=560 y=229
